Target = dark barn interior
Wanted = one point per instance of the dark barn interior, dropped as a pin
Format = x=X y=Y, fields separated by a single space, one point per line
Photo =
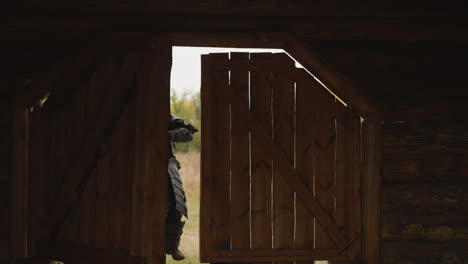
x=83 y=175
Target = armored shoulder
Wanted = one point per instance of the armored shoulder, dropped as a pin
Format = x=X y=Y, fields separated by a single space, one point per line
x=180 y=134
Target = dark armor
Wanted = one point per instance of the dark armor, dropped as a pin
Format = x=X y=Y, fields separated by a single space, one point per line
x=176 y=189
x=177 y=202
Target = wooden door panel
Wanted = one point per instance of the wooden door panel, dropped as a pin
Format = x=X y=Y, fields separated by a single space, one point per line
x=220 y=114
x=261 y=161
x=102 y=180
x=294 y=144
x=240 y=166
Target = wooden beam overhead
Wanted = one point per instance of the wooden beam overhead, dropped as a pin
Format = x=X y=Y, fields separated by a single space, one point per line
x=339 y=84
x=275 y=8
x=79 y=23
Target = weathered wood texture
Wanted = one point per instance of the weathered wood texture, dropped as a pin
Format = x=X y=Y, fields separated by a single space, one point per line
x=74 y=253
x=83 y=214
x=424 y=252
x=152 y=115
x=98 y=167
x=286 y=197
x=372 y=153
x=6 y=129
x=424 y=192
x=390 y=46
x=240 y=167
x=19 y=185
x=317 y=21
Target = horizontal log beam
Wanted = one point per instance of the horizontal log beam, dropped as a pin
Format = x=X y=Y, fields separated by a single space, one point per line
x=412 y=169
x=425 y=138
x=395 y=252
x=257 y=8
x=425 y=198
x=450 y=111
x=76 y=21
x=430 y=227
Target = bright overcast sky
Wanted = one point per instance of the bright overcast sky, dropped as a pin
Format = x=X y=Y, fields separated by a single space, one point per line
x=186 y=70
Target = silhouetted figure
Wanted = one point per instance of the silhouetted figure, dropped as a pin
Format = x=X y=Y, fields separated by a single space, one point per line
x=177 y=202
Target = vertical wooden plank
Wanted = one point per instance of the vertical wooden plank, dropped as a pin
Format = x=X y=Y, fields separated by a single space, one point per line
x=348 y=177
x=305 y=153
x=261 y=170
x=87 y=212
x=344 y=141
x=151 y=153
x=372 y=151
x=221 y=161
x=342 y=171
x=73 y=128
x=207 y=153
x=104 y=168
x=37 y=164
x=93 y=97
x=240 y=162
x=19 y=186
x=283 y=134
x=103 y=221
x=120 y=182
x=325 y=142
x=353 y=164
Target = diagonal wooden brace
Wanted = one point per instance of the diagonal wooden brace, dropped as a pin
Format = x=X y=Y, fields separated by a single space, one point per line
x=290 y=175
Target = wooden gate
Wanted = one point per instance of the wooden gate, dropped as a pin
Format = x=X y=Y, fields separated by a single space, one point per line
x=281 y=161
x=98 y=155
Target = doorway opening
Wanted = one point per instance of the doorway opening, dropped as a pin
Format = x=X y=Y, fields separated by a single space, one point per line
x=186 y=104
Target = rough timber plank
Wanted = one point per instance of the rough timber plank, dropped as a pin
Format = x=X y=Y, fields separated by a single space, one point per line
x=102 y=221
x=372 y=147
x=305 y=164
x=426 y=138
x=72 y=127
x=261 y=90
x=425 y=198
x=19 y=186
x=38 y=152
x=284 y=134
x=395 y=252
x=149 y=186
x=87 y=212
x=240 y=162
x=86 y=157
x=121 y=181
x=352 y=180
x=220 y=229
x=340 y=171
x=434 y=168
x=408 y=225
x=207 y=153
x=325 y=142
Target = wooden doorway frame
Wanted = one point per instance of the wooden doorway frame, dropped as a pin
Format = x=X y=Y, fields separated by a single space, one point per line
x=341 y=86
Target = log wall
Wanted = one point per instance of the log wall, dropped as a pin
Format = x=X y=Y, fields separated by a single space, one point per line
x=425 y=192
x=6 y=125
